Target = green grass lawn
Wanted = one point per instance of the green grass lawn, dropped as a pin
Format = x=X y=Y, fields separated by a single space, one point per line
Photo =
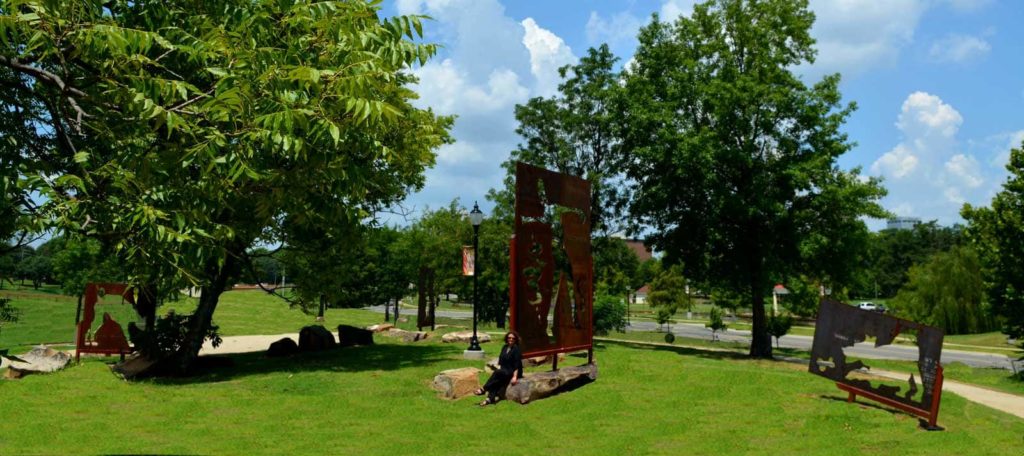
x=377 y=400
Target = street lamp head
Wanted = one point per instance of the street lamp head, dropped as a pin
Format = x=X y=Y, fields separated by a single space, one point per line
x=476 y=216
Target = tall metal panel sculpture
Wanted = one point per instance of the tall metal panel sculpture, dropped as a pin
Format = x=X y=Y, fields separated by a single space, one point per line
x=533 y=282
x=840 y=325
x=109 y=338
x=428 y=299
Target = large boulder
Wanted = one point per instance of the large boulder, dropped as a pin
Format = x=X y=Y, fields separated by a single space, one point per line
x=39 y=360
x=351 y=335
x=406 y=336
x=543 y=384
x=456 y=383
x=380 y=327
x=284 y=347
x=465 y=336
x=316 y=338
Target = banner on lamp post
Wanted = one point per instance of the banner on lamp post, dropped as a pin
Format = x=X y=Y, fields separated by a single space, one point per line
x=468 y=261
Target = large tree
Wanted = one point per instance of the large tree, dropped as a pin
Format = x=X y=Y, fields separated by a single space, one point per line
x=185 y=133
x=947 y=291
x=998 y=234
x=734 y=156
x=578 y=132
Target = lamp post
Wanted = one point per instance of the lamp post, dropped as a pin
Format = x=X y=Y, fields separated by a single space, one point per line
x=475 y=217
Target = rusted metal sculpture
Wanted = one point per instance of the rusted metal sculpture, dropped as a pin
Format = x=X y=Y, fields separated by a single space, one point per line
x=109 y=338
x=428 y=299
x=840 y=325
x=532 y=263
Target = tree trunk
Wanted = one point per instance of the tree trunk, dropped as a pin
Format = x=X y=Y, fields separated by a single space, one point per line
x=761 y=341
x=202 y=318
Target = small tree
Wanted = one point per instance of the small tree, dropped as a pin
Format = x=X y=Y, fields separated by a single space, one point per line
x=8 y=314
x=716 y=324
x=778 y=326
x=668 y=293
x=609 y=314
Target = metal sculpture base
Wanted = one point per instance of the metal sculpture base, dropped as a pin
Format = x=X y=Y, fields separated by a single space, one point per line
x=473 y=354
x=929 y=418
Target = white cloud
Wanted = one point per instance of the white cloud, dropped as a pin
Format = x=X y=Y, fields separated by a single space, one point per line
x=924 y=115
x=927 y=172
x=898 y=162
x=968 y=5
x=955 y=48
x=548 y=52
x=856 y=34
x=619 y=30
x=965 y=169
x=489 y=63
x=671 y=9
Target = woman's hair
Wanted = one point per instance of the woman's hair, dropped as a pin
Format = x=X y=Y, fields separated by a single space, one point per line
x=511 y=333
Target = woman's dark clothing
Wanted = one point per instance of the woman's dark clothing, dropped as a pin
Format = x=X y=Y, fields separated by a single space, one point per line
x=510 y=361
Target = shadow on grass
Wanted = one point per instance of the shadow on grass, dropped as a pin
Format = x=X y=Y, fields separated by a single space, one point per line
x=892 y=411
x=220 y=368
x=687 y=351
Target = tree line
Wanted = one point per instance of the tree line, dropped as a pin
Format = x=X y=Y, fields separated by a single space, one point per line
x=201 y=143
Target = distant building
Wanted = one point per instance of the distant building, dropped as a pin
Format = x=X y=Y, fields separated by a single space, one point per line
x=642 y=251
x=902 y=223
x=640 y=295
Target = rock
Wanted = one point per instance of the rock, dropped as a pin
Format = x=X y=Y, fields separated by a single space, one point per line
x=284 y=347
x=315 y=338
x=465 y=336
x=456 y=383
x=403 y=320
x=350 y=335
x=40 y=360
x=406 y=336
x=380 y=327
x=544 y=384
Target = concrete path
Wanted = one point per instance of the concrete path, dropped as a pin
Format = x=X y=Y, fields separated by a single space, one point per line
x=1009 y=403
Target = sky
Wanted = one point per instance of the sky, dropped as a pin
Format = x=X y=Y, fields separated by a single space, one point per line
x=939 y=86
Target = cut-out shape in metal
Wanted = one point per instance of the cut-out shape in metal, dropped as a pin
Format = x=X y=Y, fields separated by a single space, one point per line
x=109 y=338
x=533 y=289
x=427 y=299
x=840 y=325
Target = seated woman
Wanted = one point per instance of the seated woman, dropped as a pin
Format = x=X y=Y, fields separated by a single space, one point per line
x=510 y=369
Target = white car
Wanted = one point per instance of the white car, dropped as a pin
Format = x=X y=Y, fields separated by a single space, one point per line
x=867 y=306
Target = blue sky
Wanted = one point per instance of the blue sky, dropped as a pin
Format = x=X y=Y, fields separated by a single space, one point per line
x=939 y=86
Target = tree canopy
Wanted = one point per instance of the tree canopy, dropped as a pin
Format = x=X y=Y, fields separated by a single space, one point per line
x=998 y=234
x=184 y=133
x=734 y=156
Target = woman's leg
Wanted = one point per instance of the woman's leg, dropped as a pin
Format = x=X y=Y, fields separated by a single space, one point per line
x=499 y=379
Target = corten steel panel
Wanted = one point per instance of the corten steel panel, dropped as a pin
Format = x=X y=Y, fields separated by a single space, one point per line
x=840 y=325
x=533 y=273
x=427 y=298
x=109 y=338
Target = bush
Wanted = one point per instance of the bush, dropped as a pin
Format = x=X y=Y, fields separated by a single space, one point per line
x=609 y=314
x=8 y=314
x=670 y=338
x=716 y=324
x=778 y=326
x=168 y=336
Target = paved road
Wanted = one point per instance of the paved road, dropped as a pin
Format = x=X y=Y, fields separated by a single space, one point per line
x=862 y=350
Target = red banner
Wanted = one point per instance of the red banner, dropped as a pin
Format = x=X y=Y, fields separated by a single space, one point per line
x=468 y=261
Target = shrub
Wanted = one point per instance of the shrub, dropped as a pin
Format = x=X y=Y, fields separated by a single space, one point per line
x=168 y=336
x=609 y=314
x=778 y=326
x=716 y=324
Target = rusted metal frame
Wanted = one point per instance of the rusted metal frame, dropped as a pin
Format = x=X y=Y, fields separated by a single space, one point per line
x=82 y=327
x=931 y=414
x=571 y=192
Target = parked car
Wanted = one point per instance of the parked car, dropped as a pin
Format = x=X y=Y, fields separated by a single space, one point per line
x=867 y=306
